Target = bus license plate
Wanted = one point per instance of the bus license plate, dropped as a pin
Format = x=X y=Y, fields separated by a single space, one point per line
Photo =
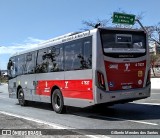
x=126 y=87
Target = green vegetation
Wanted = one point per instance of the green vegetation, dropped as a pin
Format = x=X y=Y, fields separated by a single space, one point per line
x=3 y=79
x=154 y=61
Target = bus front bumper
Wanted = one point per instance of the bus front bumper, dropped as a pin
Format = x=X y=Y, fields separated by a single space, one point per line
x=12 y=94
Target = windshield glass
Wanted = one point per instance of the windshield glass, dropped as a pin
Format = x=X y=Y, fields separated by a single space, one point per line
x=123 y=42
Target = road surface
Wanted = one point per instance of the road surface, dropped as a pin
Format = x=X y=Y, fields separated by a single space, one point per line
x=141 y=114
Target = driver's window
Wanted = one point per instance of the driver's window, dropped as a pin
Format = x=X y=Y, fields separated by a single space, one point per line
x=11 y=68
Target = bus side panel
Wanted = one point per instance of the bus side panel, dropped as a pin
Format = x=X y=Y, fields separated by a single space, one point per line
x=45 y=83
x=78 y=87
x=81 y=89
x=26 y=82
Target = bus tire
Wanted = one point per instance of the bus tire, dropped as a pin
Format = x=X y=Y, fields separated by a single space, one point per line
x=57 y=102
x=21 y=99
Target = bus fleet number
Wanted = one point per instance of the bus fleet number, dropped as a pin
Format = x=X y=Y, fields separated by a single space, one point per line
x=85 y=82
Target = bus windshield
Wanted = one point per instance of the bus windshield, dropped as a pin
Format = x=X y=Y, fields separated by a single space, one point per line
x=123 y=43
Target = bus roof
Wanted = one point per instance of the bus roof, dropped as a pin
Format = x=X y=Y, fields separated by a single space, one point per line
x=57 y=40
x=69 y=37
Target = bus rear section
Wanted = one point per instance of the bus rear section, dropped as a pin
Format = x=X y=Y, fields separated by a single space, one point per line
x=122 y=66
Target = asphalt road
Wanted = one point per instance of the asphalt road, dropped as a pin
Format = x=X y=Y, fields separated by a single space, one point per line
x=141 y=114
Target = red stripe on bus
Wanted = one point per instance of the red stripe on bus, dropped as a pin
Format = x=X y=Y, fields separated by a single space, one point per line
x=70 y=88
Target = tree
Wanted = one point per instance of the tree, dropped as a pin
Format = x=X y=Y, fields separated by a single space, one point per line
x=154 y=33
x=92 y=24
x=107 y=22
x=153 y=30
x=153 y=61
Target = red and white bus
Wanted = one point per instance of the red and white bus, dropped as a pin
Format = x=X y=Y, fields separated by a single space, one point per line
x=99 y=66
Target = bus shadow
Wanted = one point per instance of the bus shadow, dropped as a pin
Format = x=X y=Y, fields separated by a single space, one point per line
x=128 y=111
x=38 y=105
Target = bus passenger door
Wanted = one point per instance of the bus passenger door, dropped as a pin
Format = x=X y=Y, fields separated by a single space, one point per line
x=41 y=73
x=29 y=76
x=12 y=78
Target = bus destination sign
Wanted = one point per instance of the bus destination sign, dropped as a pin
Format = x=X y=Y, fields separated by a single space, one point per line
x=122 y=18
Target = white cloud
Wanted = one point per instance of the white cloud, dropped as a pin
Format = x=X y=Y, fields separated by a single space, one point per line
x=17 y=47
x=7 y=51
x=33 y=40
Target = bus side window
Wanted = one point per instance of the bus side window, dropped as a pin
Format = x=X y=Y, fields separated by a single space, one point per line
x=21 y=64
x=55 y=58
x=42 y=62
x=30 y=63
x=73 y=53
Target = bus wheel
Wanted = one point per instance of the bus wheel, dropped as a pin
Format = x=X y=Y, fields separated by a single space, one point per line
x=57 y=102
x=21 y=99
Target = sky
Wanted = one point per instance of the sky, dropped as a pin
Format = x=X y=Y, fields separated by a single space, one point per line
x=25 y=23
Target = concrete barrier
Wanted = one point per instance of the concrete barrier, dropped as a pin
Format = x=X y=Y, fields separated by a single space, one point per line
x=155 y=83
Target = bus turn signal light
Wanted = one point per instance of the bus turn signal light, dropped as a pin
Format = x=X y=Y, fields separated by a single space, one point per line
x=101 y=81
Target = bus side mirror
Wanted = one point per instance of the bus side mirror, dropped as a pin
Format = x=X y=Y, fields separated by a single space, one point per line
x=10 y=65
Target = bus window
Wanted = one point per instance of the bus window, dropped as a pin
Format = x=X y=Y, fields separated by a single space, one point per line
x=30 y=63
x=11 y=68
x=73 y=54
x=123 y=44
x=21 y=65
x=42 y=63
x=55 y=59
